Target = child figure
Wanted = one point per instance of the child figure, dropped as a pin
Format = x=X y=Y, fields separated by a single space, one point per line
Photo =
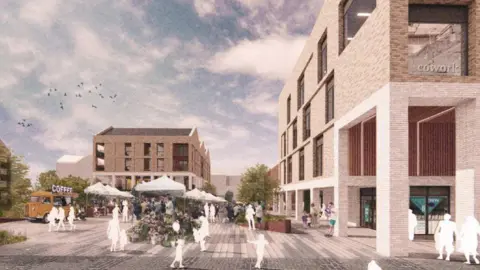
x=260 y=244
x=304 y=219
x=309 y=220
x=123 y=239
x=179 y=254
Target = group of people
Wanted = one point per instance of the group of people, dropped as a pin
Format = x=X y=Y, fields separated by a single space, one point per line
x=56 y=218
x=311 y=219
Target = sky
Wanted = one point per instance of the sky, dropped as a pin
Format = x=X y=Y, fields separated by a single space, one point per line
x=218 y=65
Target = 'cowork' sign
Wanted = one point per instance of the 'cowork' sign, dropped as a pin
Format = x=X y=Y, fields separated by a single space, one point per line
x=58 y=189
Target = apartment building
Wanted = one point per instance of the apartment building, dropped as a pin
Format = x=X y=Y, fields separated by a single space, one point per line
x=125 y=157
x=5 y=175
x=379 y=116
x=78 y=166
x=224 y=183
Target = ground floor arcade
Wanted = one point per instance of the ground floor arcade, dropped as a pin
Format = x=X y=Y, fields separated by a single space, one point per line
x=127 y=180
x=408 y=146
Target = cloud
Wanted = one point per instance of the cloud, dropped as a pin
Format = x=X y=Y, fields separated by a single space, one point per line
x=271 y=58
x=34 y=170
x=42 y=13
x=204 y=7
x=259 y=103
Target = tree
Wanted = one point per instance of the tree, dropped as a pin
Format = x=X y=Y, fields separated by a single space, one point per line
x=21 y=187
x=210 y=188
x=256 y=185
x=229 y=196
x=49 y=178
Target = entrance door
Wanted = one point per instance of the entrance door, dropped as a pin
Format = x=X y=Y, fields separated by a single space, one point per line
x=429 y=204
x=306 y=201
x=368 y=214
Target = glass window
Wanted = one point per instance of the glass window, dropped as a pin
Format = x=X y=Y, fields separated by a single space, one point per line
x=160 y=164
x=294 y=134
x=322 y=58
x=128 y=164
x=128 y=149
x=289 y=173
x=306 y=122
x=35 y=199
x=147 y=164
x=300 y=91
x=289 y=100
x=147 y=147
x=330 y=102
x=356 y=12
x=301 y=161
x=284 y=144
x=318 y=168
x=437 y=40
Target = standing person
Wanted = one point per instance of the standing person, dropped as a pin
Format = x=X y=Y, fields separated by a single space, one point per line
x=259 y=213
x=331 y=216
x=314 y=214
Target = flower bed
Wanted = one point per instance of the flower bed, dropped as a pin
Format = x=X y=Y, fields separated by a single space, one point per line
x=10 y=238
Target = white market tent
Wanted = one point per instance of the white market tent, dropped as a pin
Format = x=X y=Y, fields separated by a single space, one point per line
x=163 y=185
x=209 y=197
x=220 y=199
x=97 y=189
x=195 y=194
x=118 y=193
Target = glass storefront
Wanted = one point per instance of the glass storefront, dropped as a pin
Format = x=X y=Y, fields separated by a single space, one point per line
x=437 y=40
x=429 y=204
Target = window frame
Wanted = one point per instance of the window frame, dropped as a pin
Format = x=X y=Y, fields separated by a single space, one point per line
x=322 y=47
x=344 y=7
x=307 y=121
x=126 y=162
x=301 y=164
x=290 y=167
x=300 y=91
x=161 y=168
x=318 y=159
x=329 y=89
x=145 y=162
x=283 y=145
x=294 y=134
x=289 y=108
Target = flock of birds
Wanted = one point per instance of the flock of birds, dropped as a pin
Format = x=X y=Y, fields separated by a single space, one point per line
x=97 y=91
x=82 y=91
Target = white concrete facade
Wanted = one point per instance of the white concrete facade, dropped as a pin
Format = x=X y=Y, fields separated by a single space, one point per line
x=79 y=166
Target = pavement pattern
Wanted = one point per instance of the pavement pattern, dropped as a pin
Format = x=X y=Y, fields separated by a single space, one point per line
x=227 y=248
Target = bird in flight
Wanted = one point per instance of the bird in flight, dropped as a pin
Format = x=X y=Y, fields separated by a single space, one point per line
x=93 y=106
x=61 y=105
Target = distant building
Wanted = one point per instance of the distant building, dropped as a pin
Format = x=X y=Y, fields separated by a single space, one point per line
x=79 y=166
x=124 y=157
x=5 y=174
x=224 y=183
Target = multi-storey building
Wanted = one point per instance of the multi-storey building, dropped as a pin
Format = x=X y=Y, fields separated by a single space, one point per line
x=79 y=166
x=379 y=116
x=224 y=183
x=5 y=175
x=127 y=156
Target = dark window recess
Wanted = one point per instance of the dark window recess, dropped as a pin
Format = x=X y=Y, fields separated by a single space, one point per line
x=284 y=139
x=160 y=164
x=160 y=149
x=186 y=182
x=306 y=122
x=355 y=13
x=180 y=157
x=438 y=40
x=100 y=157
x=318 y=157
x=284 y=173
x=322 y=58
x=289 y=101
x=128 y=165
x=330 y=102
x=289 y=173
x=180 y=149
x=301 y=163
x=294 y=134
x=300 y=91
x=128 y=149
x=147 y=149
x=147 y=164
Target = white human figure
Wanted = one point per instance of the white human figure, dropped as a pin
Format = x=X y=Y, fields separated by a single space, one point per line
x=249 y=214
x=373 y=266
x=115 y=212
x=412 y=223
x=71 y=218
x=125 y=213
x=203 y=232
x=260 y=244
x=61 y=218
x=323 y=211
x=169 y=207
x=469 y=238
x=123 y=239
x=52 y=215
x=113 y=232
x=197 y=234
x=179 y=254
x=445 y=230
x=212 y=213
x=206 y=209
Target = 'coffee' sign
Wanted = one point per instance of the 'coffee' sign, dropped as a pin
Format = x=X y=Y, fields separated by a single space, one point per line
x=58 y=189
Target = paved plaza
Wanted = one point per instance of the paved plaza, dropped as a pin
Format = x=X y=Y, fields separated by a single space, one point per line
x=88 y=248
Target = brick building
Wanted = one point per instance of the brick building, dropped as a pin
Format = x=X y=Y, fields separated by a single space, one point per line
x=379 y=116
x=5 y=175
x=124 y=157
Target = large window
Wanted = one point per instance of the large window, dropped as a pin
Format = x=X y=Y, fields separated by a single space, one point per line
x=147 y=164
x=355 y=13
x=160 y=165
x=294 y=134
x=329 y=102
x=289 y=101
x=306 y=122
x=284 y=173
x=147 y=149
x=284 y=145
x=300 y=91
x=180 y=157
x=301 y=164
x=128 y=149
x=128 y=165
x=437 y=40
x=318 y=157
x=322 y=58
x=289 y=173
x=160 y=149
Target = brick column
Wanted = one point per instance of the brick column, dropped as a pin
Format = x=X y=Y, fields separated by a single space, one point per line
x=467 y=190
x=392 y=175
x=340 y=190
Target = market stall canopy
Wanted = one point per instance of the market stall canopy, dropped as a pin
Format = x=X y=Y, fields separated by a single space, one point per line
x=97 y=189
x=117 y=193
x=162 y=185
x=195 y=194
x=220 y=199
x=209 y=197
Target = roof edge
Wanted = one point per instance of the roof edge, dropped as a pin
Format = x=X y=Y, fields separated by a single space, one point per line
x=193 y=131
x=105 y=130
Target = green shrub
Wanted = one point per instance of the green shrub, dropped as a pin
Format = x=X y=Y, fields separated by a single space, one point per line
x=1 y=213
x=9 y=238
x=241 y=218
x=274 y=218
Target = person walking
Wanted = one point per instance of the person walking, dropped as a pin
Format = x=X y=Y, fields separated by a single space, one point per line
x=330 y=211
x=259 y=213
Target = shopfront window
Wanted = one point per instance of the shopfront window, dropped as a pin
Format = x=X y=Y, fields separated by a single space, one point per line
x=437 y=40
x=429 y=204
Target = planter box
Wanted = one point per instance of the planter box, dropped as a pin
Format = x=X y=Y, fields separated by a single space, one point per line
x=89 y=212
x=260 y=226
x=283 y=226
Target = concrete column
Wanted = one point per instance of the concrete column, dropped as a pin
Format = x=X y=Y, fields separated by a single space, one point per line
x=392 y=174
x=133 y=181
x=288 y=202
x=281 y=204
x=467 y=190
x=190 y=180
x=340 y=190
x=298 y=204
x=152 y=177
